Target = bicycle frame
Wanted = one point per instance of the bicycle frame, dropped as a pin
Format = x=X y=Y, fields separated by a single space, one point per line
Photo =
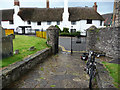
x=91 y=67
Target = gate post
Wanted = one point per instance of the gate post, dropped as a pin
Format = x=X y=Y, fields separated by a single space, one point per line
x=53 y=38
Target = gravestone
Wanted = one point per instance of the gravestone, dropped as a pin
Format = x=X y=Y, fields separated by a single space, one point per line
x=53 y=38
x=6 y=45
x=2 y=32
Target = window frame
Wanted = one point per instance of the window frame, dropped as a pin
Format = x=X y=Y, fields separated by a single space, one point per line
x=38 y=23
x=58 y=22
x=73 y=22
x=29 y=22
x=49 y=22
x=11 y=22
x=89 y=21
x=101 y=23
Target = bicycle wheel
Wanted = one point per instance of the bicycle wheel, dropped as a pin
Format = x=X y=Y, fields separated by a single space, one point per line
x=91 y=77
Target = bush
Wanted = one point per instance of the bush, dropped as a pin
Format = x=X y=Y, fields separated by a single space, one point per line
x=69 y=34
x=58 y=28
x=64 y=34
x=66 y=30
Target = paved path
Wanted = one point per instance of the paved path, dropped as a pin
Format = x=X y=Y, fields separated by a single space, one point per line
x=66 y=43
x=60 y=71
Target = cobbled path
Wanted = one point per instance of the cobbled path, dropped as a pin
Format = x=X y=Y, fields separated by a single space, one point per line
x=60 y=71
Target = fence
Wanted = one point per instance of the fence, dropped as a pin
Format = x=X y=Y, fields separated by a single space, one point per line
x=9 y=31
x=41 y=34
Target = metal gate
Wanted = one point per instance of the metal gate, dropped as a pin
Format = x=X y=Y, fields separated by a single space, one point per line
x=69 y=44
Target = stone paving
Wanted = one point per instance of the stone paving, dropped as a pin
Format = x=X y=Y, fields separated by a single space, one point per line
x=60 y=71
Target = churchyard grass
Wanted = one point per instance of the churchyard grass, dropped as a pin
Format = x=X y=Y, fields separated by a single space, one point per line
x=23 y=43
x=114 y=72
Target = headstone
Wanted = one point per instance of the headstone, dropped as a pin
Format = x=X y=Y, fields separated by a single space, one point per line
x=12 y=35
x=6 y=44
x=16 y=52
x=2 y=32
x=53 y=38
x=32 y=48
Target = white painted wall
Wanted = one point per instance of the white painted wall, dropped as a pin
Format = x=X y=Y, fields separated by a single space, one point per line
x=80 y=25
x=6 y=25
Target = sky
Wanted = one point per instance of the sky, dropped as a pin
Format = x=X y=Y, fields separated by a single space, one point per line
x=104 y=6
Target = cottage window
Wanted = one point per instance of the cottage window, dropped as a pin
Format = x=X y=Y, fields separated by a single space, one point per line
x=48 y=22
x=58 y=23
x=100 y=22
x=89 y=21
x=38 y=23
x=73 y=23
x=28 y=22
x=11 y=22
x=73 y=30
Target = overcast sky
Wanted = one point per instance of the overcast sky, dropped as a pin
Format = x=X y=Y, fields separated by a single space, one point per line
x=104 y=6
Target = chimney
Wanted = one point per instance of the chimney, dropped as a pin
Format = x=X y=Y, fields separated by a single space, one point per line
x=47 y=4
x=16 y=3
x=95 y=6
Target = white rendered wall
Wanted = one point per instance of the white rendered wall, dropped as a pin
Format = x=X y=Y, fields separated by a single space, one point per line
x=80 y=25
x=6 y=25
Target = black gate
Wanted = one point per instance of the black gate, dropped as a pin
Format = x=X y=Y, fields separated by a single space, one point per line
x=78 y=44
x=72 y=43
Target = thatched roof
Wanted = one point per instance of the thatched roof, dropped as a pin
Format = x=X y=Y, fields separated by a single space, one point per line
x=108 y=18
x=78 y=13
x=7 y=15
x=41 y=14
x=53 y=14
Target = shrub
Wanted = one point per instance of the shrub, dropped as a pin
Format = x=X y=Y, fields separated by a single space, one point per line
x=64 y=34
x=58 y=28
x=69 y=34
x=66 y=30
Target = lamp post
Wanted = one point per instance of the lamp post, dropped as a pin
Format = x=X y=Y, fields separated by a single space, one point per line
x=71 y=39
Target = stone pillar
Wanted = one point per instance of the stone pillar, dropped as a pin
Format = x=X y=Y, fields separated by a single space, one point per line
x=116 y=14
x=6 y=45
x=91 y=38
x=53 y=38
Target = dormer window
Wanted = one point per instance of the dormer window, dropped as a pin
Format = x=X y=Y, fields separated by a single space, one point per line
x=89 y=21
x=11 y=22
x=28 y=22
x=73 y=22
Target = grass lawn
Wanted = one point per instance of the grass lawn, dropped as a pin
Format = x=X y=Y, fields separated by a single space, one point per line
x=114 y=72
x=23 y=43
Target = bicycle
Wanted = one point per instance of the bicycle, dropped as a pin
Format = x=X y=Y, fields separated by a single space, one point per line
x=91 y=66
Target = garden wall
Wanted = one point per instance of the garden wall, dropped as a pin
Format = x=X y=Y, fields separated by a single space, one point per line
x=15 y=71
x=106 y=40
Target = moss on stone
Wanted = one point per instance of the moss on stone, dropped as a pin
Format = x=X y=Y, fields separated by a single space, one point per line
x=98 y=39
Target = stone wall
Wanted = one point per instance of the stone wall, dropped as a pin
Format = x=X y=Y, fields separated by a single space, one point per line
x=103 y=79
x=116 y=13
x=106 y=40
x=7 y=46
x=15 y=71
x=53 y=38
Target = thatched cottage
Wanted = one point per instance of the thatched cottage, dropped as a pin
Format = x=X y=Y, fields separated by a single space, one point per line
x=23 y=20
